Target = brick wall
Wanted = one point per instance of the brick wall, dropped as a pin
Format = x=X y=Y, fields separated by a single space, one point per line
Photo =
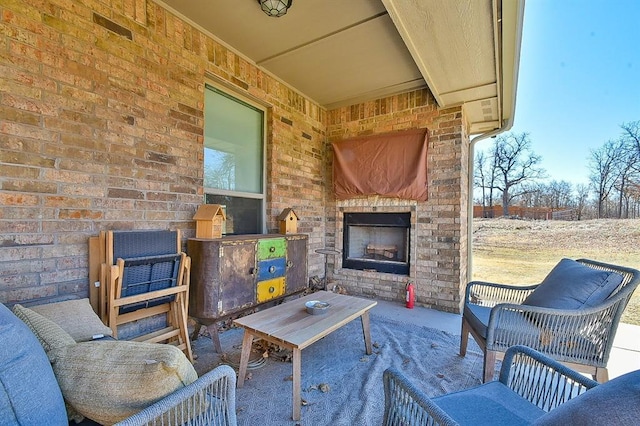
x=101 y=127
x=439 y=225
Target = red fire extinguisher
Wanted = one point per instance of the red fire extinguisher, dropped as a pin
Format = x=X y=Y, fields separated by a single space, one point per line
x=410 y=296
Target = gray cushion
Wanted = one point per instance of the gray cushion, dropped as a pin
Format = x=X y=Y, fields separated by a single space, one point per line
x=29 y=393
x=509 y=321
x=478 y=317
x=572 y=285
x=616 y=402
x=490 y=404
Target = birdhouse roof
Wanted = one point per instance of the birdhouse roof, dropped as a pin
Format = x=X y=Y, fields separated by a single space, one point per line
x=286 y=213
x=209 y=211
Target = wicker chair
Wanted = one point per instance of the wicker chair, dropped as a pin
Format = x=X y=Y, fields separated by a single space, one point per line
x=532 y=389
x=497 y=318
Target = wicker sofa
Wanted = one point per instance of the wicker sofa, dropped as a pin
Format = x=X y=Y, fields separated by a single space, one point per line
x=31 y=394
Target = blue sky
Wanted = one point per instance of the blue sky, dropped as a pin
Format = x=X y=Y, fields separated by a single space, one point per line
x=579 y=79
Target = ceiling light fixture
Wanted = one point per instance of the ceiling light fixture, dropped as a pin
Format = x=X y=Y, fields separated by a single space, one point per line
x=275 y=8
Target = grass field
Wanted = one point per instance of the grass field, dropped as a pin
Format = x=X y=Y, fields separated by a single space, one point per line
x=514 y=251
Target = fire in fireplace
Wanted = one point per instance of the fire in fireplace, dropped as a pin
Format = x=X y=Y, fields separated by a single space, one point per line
x=377 y=242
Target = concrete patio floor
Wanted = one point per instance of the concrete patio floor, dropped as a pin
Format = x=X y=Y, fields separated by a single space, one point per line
x=625 y=355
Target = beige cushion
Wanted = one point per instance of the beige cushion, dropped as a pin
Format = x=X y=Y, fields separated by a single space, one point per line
x=76 y=317
x=108 y=381
x=50 y=334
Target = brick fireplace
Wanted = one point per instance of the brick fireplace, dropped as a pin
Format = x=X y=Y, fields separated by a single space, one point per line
x=376 y=272
x=437 y=252
x=376 y=241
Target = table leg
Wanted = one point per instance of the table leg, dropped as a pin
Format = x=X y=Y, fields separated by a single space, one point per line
x=297 y=372
x=367 y=333
x=247 y=341
x=215 y=337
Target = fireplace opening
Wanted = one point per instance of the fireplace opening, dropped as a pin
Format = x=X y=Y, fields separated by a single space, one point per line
x=377 y=242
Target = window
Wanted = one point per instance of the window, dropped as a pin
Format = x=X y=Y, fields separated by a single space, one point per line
x=234 y=160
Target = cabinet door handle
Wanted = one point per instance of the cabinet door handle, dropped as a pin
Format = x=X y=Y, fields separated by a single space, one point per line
x=272 y=269
x=272 y=289
x=272 y=249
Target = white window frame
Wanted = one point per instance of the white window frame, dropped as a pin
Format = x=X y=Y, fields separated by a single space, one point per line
x=240 y=194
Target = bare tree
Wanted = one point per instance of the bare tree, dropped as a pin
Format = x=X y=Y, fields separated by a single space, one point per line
x=631 y=134
x=582 y=195
x=220 y=171
x=484 y=177
x=479 y=177
x=560 y=192
x=515 y=165
x=531 y=194
x=556 y=195
x=629 y=168
x=634 y=201
x=626 y=168
x=602 y=164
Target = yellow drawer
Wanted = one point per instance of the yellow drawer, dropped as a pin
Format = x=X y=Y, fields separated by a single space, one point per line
x=268 y=289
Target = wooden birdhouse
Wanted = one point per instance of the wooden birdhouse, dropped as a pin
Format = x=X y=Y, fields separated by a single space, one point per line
x=288 y=221
x=209 y=221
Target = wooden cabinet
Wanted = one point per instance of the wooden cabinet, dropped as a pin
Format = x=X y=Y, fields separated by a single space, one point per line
x=297 y=274
x=233 y=274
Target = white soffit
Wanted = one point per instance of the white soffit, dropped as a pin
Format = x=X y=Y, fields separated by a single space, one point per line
x=512 y=14
x=336 y=52
x=468 y=53
x=360 y=52
x=452 y=44
x=342 y=52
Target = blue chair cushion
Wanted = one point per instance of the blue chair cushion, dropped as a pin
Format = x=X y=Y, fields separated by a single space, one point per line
x=140 y=243
x=508 y=321
x=146 y=274
x=572 y=285
x=490 y=404
x=616 y=402
x=478 y=317
x=29 y=392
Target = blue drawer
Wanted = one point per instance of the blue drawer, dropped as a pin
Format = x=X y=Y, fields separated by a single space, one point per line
x=272 y=268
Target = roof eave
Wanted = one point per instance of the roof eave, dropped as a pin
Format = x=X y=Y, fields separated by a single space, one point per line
x=489 y=97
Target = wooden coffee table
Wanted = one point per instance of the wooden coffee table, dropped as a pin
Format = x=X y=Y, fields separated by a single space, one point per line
x=290 y=326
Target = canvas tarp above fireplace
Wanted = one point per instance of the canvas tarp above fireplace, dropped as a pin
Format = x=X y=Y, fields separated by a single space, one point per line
x=391 y=165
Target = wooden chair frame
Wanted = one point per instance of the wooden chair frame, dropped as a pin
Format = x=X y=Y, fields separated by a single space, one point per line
x=111 y=301
x=176 y=309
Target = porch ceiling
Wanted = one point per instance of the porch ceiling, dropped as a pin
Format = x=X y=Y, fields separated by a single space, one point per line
x=340 y=52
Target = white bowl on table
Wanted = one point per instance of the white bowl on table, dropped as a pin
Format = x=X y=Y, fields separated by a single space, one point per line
x=316 y=307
